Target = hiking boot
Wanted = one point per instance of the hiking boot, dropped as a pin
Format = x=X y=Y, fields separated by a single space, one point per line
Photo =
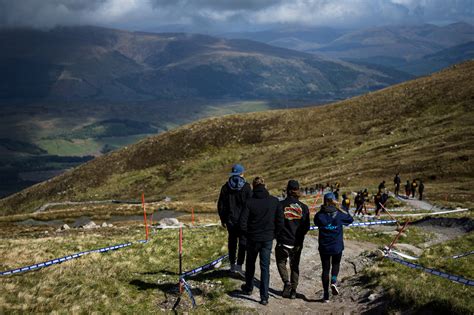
x=293 y=294
x=264 y=302
x=334 y=289
x=232 y=268
x=245 y=290
x=286 y=290
x=325 y=300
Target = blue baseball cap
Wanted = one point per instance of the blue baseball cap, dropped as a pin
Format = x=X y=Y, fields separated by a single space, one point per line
x=329 y=196
x=237 y=169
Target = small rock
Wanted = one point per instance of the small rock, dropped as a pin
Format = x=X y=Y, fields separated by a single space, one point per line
x=65 y=227
x=373 y=297
x=170 y=222
x=90 y=225
x=104 y=225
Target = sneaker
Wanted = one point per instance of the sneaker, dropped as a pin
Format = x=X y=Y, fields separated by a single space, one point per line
x=286 y=290
x=334 y=289
x=293 y=294
x=245 y=290
x=232 y=267
x=263 y=302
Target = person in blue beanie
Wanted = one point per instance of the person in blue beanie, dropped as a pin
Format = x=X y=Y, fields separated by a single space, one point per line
x=231 y=202
x=330 y=219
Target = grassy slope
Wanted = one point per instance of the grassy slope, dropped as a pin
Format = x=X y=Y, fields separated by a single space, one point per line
x=430 y=120
x=124 y=281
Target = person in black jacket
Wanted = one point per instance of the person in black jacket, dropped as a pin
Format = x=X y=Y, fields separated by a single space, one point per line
x=291 y=237
x=397 y=181
x=330 y=220
x=261 y=221
x=421 y=188
x=231 y=202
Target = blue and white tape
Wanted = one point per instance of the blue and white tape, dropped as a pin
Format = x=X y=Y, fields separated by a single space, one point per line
x=187 y=288
x=66 y=258
x=438 y=273
x=463 y=255
x=363 y=223
x=203 y=268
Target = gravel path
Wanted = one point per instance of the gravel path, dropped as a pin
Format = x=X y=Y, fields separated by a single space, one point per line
x=353 y=297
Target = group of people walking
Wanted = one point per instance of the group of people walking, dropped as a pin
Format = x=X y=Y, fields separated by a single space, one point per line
x=410 y=187
x=254 y=218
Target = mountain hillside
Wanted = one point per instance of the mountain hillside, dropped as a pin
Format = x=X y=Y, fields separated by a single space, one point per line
x=400 y=42
x=422 y=128
x=92 y=63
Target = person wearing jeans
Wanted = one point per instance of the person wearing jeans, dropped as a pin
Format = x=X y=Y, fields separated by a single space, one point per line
x=330 y=220
x=260 y=221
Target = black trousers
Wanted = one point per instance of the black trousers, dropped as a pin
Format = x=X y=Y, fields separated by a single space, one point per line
x=282 y=254
x=331 y=264
x=236 y=240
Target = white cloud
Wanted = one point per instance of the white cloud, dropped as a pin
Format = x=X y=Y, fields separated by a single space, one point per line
x=141 y=14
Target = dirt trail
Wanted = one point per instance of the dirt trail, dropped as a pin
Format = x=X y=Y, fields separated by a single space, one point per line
x=353 y=297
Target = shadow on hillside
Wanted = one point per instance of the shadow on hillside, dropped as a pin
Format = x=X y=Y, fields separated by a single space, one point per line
x=216 y=274
x=172 y=287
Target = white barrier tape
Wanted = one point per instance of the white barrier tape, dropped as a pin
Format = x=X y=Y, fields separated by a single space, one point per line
x=203 y=268
x=435 y=272
x=463 y=255
x=430 y=213
x=66 y=258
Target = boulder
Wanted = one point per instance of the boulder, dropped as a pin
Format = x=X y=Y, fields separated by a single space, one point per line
x=90 y=225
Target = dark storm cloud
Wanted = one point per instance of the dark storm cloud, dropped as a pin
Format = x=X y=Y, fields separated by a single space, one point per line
x=223 y=15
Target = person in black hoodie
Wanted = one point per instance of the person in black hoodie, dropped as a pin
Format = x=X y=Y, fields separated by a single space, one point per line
x=330 y=220
x=291 y=237
x=231 y=202
x=261 y=221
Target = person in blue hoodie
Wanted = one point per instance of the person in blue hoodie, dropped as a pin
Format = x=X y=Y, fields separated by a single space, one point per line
x=330 y=220
x=231 y=202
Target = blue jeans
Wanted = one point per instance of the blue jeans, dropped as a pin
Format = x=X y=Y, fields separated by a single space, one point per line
x=264 y=250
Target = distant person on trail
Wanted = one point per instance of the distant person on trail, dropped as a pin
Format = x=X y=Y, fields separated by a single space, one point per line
x=231 y=202
x=291 y=237
x=345 y=203
x=365 y=196
x=408 y=189
x=397 y=181
x=331 y=243
x=381 y=203
x=381 y=186
x=413 y=188
x=359 y=203
x=421 y=188
x=336 y=194
x=261 y=221
x=377 y=202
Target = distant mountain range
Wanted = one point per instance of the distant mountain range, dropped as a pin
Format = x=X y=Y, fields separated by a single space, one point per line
x=419 y=128
x=92 y=63
x=393 y=46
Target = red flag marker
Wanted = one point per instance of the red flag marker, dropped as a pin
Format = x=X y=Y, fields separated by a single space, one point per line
x=144 y=216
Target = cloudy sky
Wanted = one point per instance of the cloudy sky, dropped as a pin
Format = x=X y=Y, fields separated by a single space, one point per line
x=230 y=15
